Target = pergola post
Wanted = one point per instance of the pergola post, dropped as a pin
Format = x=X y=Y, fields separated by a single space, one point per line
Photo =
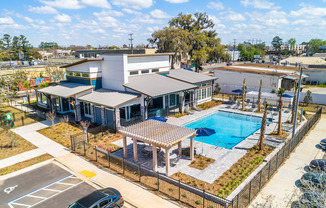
x=154 y=158
x=125 y=154
x=167 y=161
x=135 y=149
x=179 y=148
x=192 y=149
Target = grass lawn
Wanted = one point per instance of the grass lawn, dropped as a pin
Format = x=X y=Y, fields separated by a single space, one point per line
x=210 y=104
x=61 y=133
x=17 y=115
x=24 y=164
x=233 y=177
x=178 y=115
x=8 y=139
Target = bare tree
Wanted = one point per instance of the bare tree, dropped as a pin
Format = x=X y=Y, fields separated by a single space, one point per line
x=51 y=115
x=64 y=119
x=259 y=96
x=263 y=127
x=85 y=125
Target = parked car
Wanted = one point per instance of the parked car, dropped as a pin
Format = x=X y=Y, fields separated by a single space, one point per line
x=229 y=64
x=323 y=144
x=313 y=199
x=103 y=198
x=313 y=179
x=318 y=165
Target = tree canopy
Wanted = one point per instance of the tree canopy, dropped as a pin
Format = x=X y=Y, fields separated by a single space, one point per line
x=190 y=36
x=247 y=50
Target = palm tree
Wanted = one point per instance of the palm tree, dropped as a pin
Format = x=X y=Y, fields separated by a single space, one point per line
x=27 y=86
x=263 y=127
x=259 y=96
x=244 y=94
x=280 y=93
x=294 y=103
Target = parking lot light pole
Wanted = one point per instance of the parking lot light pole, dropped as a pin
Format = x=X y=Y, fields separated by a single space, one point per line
x=297 y=102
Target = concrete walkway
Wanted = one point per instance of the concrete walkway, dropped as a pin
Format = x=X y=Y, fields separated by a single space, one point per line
x=132 y=193
x=21 y=157
x=281 y=191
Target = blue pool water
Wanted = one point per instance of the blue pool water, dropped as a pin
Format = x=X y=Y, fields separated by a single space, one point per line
x=231 y=128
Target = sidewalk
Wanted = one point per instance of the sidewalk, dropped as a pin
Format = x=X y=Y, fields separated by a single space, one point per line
x=21 y=157
x=132 y=193
x=281 y=191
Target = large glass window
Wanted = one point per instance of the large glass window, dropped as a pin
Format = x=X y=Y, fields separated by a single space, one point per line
x=204 y=93
x=57 y=103
x=133 y=72
x=145 y=71
x=85 y=75
x=172 y=100
x=70 y=73
x=87 y=109
x=42 y=98
x=155 y=70
x=77 y=74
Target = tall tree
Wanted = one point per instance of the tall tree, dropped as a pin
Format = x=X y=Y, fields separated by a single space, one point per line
x=292 y=42
x=314 y=44
x=27 y=86
x=244 y=94
x=259 y=96
x=294 y=102
x=277 y=43
x=280 y=93
x=263 y=127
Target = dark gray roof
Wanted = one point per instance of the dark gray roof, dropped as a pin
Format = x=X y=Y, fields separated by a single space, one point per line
x=108 y=98
x=66 y=89
x=189 y=76
x=154 y=85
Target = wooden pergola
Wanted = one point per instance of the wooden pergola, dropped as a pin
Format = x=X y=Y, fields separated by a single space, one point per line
x=158 y=134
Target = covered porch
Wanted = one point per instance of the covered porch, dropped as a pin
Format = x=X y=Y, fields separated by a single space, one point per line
x=158 y=136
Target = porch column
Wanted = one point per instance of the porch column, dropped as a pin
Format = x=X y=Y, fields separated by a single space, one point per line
x=77 y=111
x=54 y=105
x=194 y=101
x=179 y=148
x=92 y=113
x=182 y=102
x=167 y=161
x=125 y=154
x=192 y=149
x=154 y=158
x=135 y=149
x=103 y=117
x=116 y=118
x=142 y=107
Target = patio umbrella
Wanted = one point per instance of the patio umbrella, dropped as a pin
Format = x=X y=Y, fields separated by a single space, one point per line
x=201 y=132
x=237 y=91
x=287 y=96
x=162 y=119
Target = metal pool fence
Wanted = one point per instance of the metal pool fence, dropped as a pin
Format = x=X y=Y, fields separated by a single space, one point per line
x=180 y=191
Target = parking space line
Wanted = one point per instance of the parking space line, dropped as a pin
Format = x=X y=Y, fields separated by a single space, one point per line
x=34 y=194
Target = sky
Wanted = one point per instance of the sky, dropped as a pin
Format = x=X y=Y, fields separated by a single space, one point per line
x=108 y=22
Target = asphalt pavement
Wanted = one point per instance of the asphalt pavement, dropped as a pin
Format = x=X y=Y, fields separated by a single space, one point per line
x=48 y=186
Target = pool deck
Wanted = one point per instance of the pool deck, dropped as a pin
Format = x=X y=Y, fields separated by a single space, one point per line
x=224 y=158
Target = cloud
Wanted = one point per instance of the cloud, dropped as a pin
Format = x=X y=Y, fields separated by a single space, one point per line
x=63 y=4
x=63 y=18
x=99 y=30
x=177 y=1
x=6 y=20
x=273 y=18
x=259 y=4
x=309 y=11
x=159 y=14
x=215 y=5
x=109 y=13
x=135 y=4
x=97 y=3
x=146 y=19
x=130 y=11
x=42 y=10
x=28 y=19
x=232 y=16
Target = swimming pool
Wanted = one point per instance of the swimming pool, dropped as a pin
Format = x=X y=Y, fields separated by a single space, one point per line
x=231 y=128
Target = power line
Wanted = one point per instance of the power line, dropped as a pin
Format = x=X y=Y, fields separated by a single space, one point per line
x=131 y=45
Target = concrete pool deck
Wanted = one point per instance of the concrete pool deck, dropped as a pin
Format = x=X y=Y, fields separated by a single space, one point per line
x=224 y=158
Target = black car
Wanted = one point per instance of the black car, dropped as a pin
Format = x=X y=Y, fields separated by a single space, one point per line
x=318 y=165
x=323 y=144
x=103 y=198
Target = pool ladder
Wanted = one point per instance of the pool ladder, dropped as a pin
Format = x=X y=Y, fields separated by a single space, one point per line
x=222 y=144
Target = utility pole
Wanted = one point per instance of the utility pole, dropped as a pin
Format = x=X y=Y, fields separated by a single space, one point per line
x=131 y=45
x=297 y=103
x=234 y=42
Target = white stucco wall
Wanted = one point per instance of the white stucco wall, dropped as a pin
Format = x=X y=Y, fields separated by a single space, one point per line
x=316 y=75
x=147 y=62
x=113 y=72
x=87 y=67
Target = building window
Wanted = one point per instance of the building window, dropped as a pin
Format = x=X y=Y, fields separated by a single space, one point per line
x=133 y=72
x=57 y=103
x=70 y=73
x=155 y=70
x=145 y=71
x=87 y=109
x=204 y=93
x=172 y=100
x=77 y=74
x=42 y=98
x=85 y=75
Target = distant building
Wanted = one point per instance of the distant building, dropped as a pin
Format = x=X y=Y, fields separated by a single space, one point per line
x=45 y=54
x=97 y=52
x=235 y=54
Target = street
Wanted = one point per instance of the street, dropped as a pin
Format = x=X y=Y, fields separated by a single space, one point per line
x=47 y=186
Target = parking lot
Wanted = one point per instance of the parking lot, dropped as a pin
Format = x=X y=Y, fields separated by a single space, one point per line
x=47 y=186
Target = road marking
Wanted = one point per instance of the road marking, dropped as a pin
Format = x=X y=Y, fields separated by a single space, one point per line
x=9 y=189
x=33 y=194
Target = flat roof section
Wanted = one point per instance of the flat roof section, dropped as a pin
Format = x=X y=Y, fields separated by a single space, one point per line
x=66 y=89
x=189 y=76
x=253 y=70
x=81 y=62
x=108 y=98
x=154 y=85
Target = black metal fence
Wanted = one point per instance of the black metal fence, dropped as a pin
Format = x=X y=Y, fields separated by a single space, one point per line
x=182 y=192
x=244 y=198
x=153 y=180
